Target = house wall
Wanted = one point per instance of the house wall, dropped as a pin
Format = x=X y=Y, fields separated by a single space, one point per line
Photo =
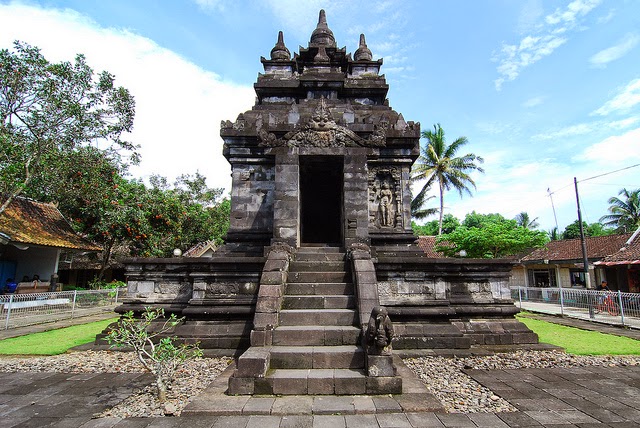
x=518 y=277
x=33 y=261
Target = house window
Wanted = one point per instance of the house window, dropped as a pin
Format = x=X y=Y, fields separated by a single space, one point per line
x=542 y=277
x=577 y=278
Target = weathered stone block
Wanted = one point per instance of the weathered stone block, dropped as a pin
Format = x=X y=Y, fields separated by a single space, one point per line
x=268 y=304
x=265 y=319
x=384 y=385
x=241 y=385
x=273 y=278
x=380 y=366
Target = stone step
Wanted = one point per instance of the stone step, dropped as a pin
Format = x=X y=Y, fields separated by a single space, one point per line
x=325 y=382
x=319 y=277
x=318 y=302
x=317 y=317
x=319 y=257
x=319 y=289
x=315 y=335
x=317 y=357
x=320 y=248
x=319 y=266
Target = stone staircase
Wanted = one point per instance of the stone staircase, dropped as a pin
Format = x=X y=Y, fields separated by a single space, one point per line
x=316 y=346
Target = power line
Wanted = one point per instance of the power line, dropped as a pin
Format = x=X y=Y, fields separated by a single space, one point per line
x=609 y=173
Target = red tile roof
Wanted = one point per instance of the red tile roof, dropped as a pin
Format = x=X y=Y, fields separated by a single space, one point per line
x=35 y=223
x=427 y=244
x=598 y=247
x=628 y=254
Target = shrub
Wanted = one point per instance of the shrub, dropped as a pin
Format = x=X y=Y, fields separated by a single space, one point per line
x=160 y=357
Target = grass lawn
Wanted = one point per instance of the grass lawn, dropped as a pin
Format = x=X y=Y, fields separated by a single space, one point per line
x=53 y=342
x=581 y=342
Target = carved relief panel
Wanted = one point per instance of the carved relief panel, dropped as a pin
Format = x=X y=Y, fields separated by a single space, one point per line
x=385 y=197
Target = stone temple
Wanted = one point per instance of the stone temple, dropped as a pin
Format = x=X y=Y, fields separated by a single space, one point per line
x=320 y=276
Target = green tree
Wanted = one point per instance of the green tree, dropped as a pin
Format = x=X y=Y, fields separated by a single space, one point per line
x=489 y=236
x=449 y=224
x=438 y=163
x=50 y=109
x=572 y=231
x=525 y=221
x=624 y=213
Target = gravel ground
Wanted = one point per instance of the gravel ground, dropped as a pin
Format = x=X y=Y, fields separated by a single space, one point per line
x=443 y=376
x=192 y=378
x=461 y=394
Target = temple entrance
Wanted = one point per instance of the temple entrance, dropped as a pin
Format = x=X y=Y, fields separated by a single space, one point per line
x=321 y=186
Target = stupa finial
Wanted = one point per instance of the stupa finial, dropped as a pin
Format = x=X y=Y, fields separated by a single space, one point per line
x=280 y=51
x=362 y=53
x=322 y=35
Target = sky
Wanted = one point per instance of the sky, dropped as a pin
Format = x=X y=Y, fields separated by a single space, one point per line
x=544 y=90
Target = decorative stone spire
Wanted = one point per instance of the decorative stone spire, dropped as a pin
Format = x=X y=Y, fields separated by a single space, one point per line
x=362 y=53
x=280 y=51
x=321 y=56
x=322 y=35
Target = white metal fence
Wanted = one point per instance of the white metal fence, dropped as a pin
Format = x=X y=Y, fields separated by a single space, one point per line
x=613 y=307
x=18 y=310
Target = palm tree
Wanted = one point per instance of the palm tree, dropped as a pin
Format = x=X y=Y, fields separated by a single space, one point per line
x=437 y=162
x=417 y=203
x=624 y=213
x=525 y=221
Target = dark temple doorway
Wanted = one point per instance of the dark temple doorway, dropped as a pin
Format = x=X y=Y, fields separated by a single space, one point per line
x=321 y=185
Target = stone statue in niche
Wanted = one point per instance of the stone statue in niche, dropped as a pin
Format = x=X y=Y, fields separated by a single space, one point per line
x=379 y=332
x=385 y=205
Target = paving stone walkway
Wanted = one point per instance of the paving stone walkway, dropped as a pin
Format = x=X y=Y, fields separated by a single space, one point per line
x=597 y=397
x=589 y=397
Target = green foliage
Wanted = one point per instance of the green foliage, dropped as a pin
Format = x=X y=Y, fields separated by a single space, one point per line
x=581 y=342
x=159 y=355
x=438 y=163
x=53 y=342
x=489 y=236
x=624 y=213
x=50 y=110
x=572 y=231
x=525 y=221
x=449 y=224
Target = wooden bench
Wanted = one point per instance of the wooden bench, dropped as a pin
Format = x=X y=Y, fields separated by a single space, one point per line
x=29 y=287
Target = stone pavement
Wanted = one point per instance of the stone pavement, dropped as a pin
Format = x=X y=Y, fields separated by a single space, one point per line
x=581 y=397
x=586 y=397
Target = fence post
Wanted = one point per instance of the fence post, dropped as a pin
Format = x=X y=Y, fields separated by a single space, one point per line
x=621 y=307
x=561 y=302
x=520 y=296
x=117 y=289
x=73 y=307
x=6 y=324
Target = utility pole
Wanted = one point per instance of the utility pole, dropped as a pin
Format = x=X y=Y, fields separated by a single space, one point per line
x=554 y=209
x=585 y=260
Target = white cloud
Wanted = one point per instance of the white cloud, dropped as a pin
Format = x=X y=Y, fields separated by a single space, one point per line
x=587 y=128
x=615 y=150
x=608 y=17
x=530 y=14
x=553 y=33
x=533 y=102
x=179 y=105
x=626 y=99
x=574 y=10
x=624 y=46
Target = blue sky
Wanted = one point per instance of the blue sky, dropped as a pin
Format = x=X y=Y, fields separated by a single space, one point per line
x=544 y=90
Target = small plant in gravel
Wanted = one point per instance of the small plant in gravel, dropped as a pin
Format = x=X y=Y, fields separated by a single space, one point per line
x=159 y=355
